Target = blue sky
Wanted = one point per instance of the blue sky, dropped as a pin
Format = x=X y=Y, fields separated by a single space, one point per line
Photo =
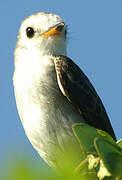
x=94 y=43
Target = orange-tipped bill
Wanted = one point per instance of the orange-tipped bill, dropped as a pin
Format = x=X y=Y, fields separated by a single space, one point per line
x=54 y=31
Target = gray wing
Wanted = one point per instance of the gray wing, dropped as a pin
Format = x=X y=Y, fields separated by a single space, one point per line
x=79 y=91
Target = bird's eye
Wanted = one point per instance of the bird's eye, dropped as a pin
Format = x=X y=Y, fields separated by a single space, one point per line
x=30 y=32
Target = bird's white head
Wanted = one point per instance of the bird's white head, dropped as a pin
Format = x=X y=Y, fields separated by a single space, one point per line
x=43 y=32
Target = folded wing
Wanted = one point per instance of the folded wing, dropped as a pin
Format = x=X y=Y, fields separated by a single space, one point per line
x=79 y=91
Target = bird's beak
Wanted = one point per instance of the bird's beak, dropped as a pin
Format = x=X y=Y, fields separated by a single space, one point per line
x=54 y=31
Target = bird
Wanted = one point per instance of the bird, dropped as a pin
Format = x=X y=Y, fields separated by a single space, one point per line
x=51 y=91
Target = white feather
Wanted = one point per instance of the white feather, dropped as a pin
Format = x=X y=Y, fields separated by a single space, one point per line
x=46 y=114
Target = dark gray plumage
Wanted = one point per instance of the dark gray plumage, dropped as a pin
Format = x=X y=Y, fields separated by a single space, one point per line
x=80 y=92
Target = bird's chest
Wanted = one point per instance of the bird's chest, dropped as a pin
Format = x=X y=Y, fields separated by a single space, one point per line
x=36 y=92
x=46 y=114
x=41 y=105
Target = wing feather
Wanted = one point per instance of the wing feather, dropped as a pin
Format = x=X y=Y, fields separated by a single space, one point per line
x=79 y=91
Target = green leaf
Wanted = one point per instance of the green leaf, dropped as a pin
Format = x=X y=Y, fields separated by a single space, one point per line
x=111 y=156
x=90 y=176
x=82 y=167
x=119 y=143
x=106 y=136
x=85 y=135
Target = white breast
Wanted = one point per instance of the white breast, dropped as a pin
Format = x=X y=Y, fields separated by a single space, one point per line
x=46 y=114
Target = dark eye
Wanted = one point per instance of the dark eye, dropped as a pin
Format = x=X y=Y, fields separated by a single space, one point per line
x=30 y=32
